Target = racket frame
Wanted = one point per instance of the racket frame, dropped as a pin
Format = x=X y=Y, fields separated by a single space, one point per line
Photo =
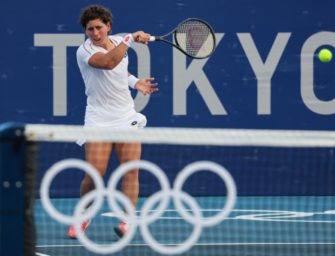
x=176 y=45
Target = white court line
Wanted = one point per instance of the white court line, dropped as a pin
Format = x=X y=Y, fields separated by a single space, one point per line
x=41 y=254
x=274 y=212
x=201 y=244
x=268 y=215
x=240 y=210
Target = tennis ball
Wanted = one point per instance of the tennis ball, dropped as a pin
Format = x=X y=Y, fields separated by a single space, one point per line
x=325 y=55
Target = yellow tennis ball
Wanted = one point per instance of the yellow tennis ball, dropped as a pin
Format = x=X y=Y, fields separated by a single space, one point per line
x=325 y=55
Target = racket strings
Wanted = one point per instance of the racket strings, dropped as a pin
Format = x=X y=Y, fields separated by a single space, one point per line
x=195 y=38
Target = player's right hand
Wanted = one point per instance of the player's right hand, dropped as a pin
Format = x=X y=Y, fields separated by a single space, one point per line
x=141 y=37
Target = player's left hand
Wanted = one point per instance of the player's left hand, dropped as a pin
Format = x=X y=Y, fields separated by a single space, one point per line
x=146 y=85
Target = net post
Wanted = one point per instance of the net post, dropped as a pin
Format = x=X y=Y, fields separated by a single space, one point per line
x=16 y=192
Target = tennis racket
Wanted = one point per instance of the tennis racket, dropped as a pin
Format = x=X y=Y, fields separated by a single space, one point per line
x=193 y=37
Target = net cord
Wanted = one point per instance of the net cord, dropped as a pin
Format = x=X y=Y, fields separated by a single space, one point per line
x=182 y=136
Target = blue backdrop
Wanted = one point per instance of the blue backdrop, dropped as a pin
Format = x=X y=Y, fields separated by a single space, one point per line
x=263 y=74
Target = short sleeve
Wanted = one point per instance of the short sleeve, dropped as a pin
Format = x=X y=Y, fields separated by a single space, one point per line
x=82 y=55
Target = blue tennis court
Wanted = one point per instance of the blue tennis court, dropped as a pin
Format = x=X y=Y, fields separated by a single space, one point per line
x=302 y=225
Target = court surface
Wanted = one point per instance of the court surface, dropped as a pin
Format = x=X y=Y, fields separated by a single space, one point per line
x=276 y=226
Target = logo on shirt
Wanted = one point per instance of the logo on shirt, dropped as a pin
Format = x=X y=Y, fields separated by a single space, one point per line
x=134 y=123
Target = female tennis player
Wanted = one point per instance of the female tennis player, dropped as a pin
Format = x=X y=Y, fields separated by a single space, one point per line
x=103 y=63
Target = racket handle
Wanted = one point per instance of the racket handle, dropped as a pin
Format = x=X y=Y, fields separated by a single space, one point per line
x=151 y=39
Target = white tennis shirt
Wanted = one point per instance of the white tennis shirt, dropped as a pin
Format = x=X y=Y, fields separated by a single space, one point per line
x=109 y=101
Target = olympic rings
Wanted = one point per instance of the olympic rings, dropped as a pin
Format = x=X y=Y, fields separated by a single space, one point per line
x=129 y=217
x=148 y=166
x=186 y=245
x=114 y=197
x=56 y=169
x=224 y=175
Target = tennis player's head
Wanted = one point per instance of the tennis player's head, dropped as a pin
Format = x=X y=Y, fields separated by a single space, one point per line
x=97 y=22
x=93 y=12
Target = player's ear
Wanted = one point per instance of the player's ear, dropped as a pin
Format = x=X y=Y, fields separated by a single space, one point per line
x=109 y=27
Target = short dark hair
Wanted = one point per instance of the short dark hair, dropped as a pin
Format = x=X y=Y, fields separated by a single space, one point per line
x=94 y=12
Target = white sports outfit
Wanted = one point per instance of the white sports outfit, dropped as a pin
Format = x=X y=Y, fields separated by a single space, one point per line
x=109 y=101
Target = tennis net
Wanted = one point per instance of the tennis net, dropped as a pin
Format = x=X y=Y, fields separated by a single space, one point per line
x=201 y=191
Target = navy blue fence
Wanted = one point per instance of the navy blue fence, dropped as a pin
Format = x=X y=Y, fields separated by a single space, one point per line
x=257 y=171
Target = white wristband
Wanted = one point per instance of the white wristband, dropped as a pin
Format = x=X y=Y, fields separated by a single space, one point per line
x=128 y=40
x=132 y=80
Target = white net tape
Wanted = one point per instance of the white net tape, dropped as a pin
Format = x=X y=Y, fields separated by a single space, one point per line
x=186 y=136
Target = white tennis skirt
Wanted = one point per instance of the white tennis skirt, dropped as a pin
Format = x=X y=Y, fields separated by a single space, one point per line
x=136 y=121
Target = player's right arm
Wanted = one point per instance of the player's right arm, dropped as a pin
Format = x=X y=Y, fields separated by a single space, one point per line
x=113 y=57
